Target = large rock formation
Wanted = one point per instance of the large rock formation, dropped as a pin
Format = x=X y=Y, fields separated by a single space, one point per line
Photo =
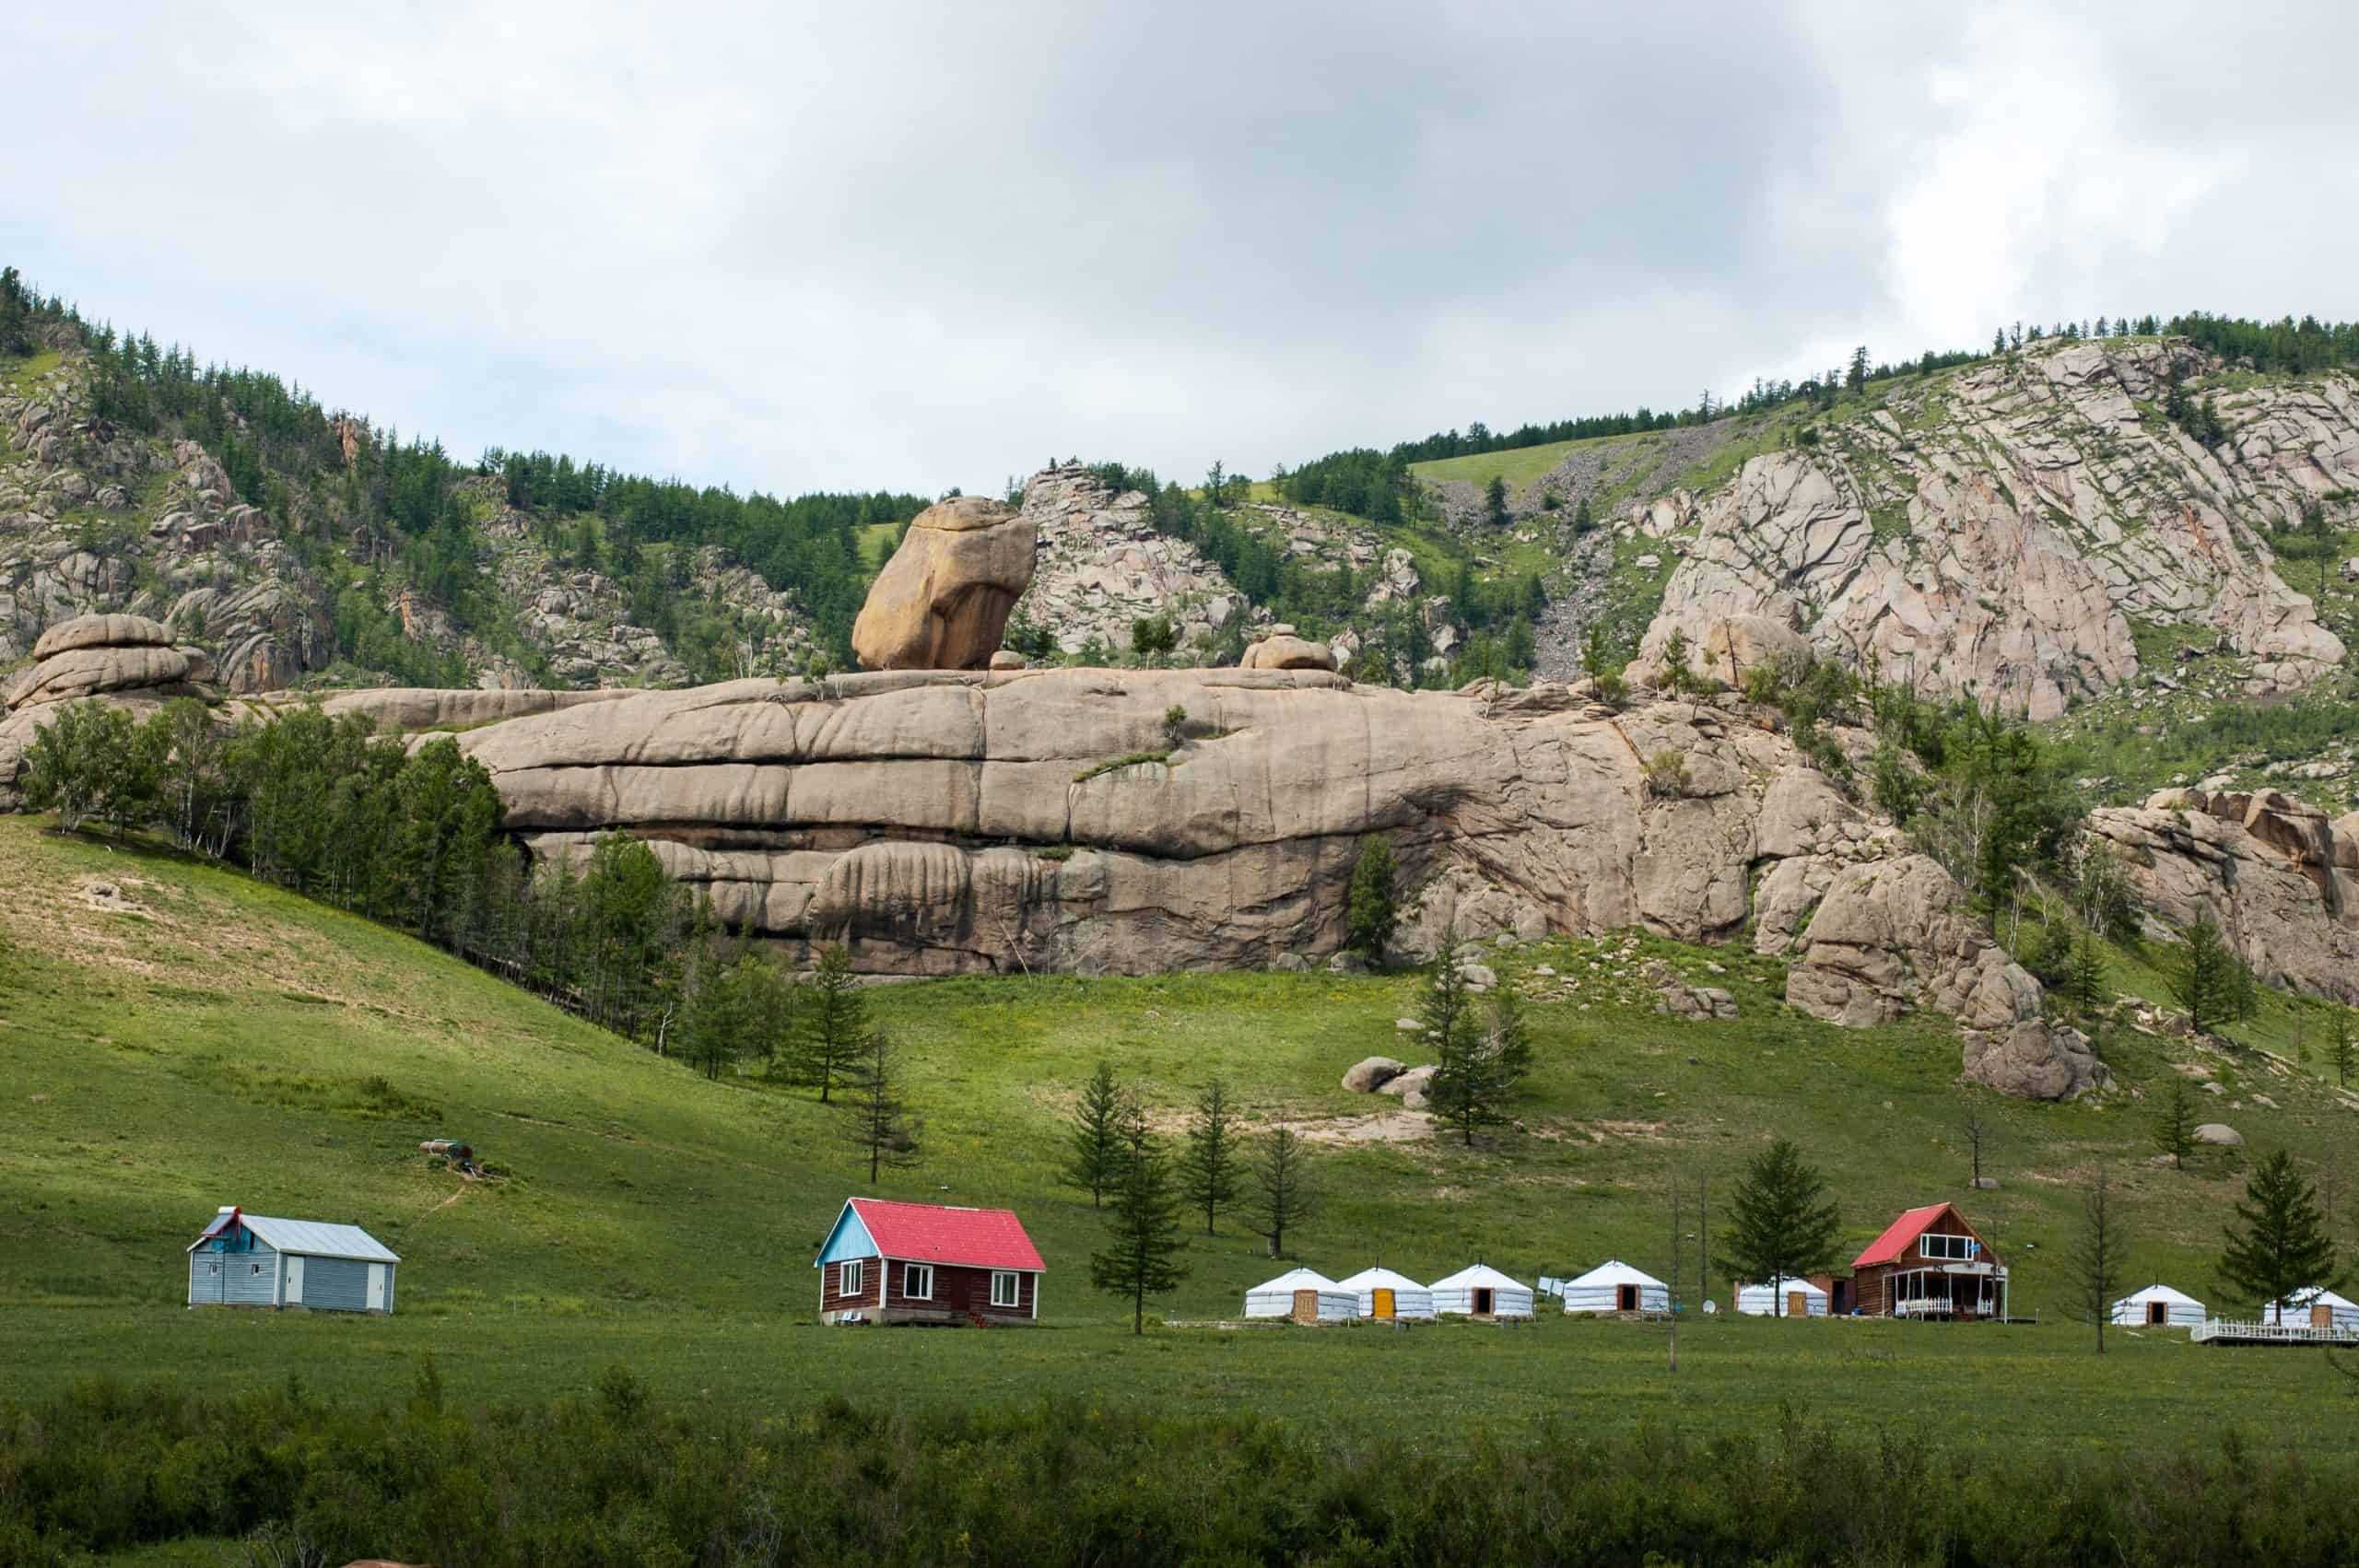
x=2280 y=881
x=1996 y=531
x=1893 y=934
x=127 y=660
x=1103 y=566
x=943 y=600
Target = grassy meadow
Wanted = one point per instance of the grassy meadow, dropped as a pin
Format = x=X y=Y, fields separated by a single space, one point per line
x=214 y=1041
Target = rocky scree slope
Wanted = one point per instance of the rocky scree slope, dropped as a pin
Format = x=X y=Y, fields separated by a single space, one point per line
x=95 y=520
x=2001 y=530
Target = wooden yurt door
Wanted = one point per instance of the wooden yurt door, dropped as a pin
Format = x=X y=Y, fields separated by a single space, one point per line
x=1798 y=1303
x=1626 y=1298
x=1306 y=1306
x=1483 y=1301
x=1381 y=1302
x=2321 y=1315
x=2158 y=1312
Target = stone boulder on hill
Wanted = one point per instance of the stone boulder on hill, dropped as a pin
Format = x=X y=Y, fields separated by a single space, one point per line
x=943 y=600
x=2034 y=1060
x=1288 y=652
x=127 y=660
x=1893 y=934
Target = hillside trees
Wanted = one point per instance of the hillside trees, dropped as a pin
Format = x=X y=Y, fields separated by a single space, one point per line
x=1784 y=1226
x=834 y=1023
x=2175 y=1123
x=2280 y=1244
x=2099 y=1251
x=1482 y=1058
x=2203 y=977
x=1211 y=1165
x=1371 y=912
x=1283 y=1197
x=1141 y=1257
x=879 y=1126
x=1094 y=1160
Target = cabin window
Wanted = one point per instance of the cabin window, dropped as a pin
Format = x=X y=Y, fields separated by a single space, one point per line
x=1932 y=1246
x=855 y=1275
x=256 y=1269
x=1008 y=1289
x=917 y=1281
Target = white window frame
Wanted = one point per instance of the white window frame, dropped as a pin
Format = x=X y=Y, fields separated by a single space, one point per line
x=1015 y=1287
x=1954 y=1249
x=911 y=1274
x=852 y=1277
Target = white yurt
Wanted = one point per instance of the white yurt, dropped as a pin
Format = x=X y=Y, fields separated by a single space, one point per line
x=1615 y=1286
x=2158 y=1306
x=1305 y=1295
x=1481 y=1291
x=1781 y=1297
x=1385 y=1294
x=2312 y=1308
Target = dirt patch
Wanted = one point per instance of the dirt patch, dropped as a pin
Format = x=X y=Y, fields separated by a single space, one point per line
x=117 y=896
x=1384 y=1127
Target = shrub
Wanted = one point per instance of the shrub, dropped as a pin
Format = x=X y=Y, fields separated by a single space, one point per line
x=1667 y=775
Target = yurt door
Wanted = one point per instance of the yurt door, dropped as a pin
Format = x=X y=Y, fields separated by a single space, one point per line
x=1626 y=1298
x=2158 y=1312
x=294 y=1279
x=2321 y=1315
x=1484 y=1304
x=1306 y=1306
x=1381 y=1302
x=1797 y=1303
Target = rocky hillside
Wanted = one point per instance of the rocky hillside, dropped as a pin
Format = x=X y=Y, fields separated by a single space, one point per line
x=96 y=518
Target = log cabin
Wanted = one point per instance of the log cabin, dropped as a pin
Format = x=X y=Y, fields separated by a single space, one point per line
x=1930 y=1263
x=891 y=1262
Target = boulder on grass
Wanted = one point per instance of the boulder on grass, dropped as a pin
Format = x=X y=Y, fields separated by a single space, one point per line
x=1370 y=1073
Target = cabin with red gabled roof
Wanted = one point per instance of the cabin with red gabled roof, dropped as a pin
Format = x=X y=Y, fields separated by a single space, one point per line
x=890 y=1262
x=1930 y=1263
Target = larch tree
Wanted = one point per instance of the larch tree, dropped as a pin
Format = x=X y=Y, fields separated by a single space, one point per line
x=1096 y=1155
x=2203 y=977
x=2280 y=1244
x=1783 y=1224
x=1283 y=1199
x=1145 y=1237
x=2099 y=1251
x=2342 y=1048
x=881 y=1127
x=1373 y=910
x=1209 y=1165
x=2175 y=1123
x=834 y=1022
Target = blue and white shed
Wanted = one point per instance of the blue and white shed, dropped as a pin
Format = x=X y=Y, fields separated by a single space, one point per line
x=245 y=1259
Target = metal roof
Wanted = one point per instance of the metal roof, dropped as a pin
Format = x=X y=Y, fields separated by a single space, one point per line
x=1888 y=1247
x=311 y=1238
x=933 y=1233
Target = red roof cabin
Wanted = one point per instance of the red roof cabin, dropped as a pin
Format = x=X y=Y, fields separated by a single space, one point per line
x=887 y=1262
x=1930 y=1263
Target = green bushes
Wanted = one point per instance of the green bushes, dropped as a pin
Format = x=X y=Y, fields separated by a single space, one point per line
x=618 y=1478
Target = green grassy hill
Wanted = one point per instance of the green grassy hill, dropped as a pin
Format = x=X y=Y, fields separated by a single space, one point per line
x=215 y=1041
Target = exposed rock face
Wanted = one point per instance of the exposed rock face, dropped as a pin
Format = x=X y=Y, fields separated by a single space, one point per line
x=2034 y=1060
x=2280 y=881
x=1896 y=933
x=1102 y=566
x=1999 y=542
x=943 y=600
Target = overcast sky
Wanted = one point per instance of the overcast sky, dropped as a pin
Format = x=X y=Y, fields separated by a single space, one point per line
x=791 y=246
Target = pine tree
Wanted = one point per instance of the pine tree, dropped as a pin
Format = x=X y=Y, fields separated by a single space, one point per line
x=2098 y=1253
x=1283 y=1197
x=1857 y=378
x=834 y=1022
x=1784 y=1226
x=2342 y=1050
x=1208 y=1166
x=1097 y=1159
x=2283 y=1245
x=2203 y=977
x=881 y=1127
x=1494 y=501
x=2175 y=1123
x=1141 y=1257
x=1372 y=912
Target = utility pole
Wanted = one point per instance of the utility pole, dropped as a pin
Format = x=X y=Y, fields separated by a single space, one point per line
x=1703 y=1240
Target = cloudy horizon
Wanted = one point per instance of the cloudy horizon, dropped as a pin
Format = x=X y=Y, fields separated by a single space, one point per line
x=920 y=247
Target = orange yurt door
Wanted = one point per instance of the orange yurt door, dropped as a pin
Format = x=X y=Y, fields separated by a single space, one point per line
x=1306 y=1306
x=1381 y=1302
x=2321 y=1315
x=1798 y=1303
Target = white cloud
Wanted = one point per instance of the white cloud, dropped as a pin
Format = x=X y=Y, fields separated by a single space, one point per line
x=918 y=246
